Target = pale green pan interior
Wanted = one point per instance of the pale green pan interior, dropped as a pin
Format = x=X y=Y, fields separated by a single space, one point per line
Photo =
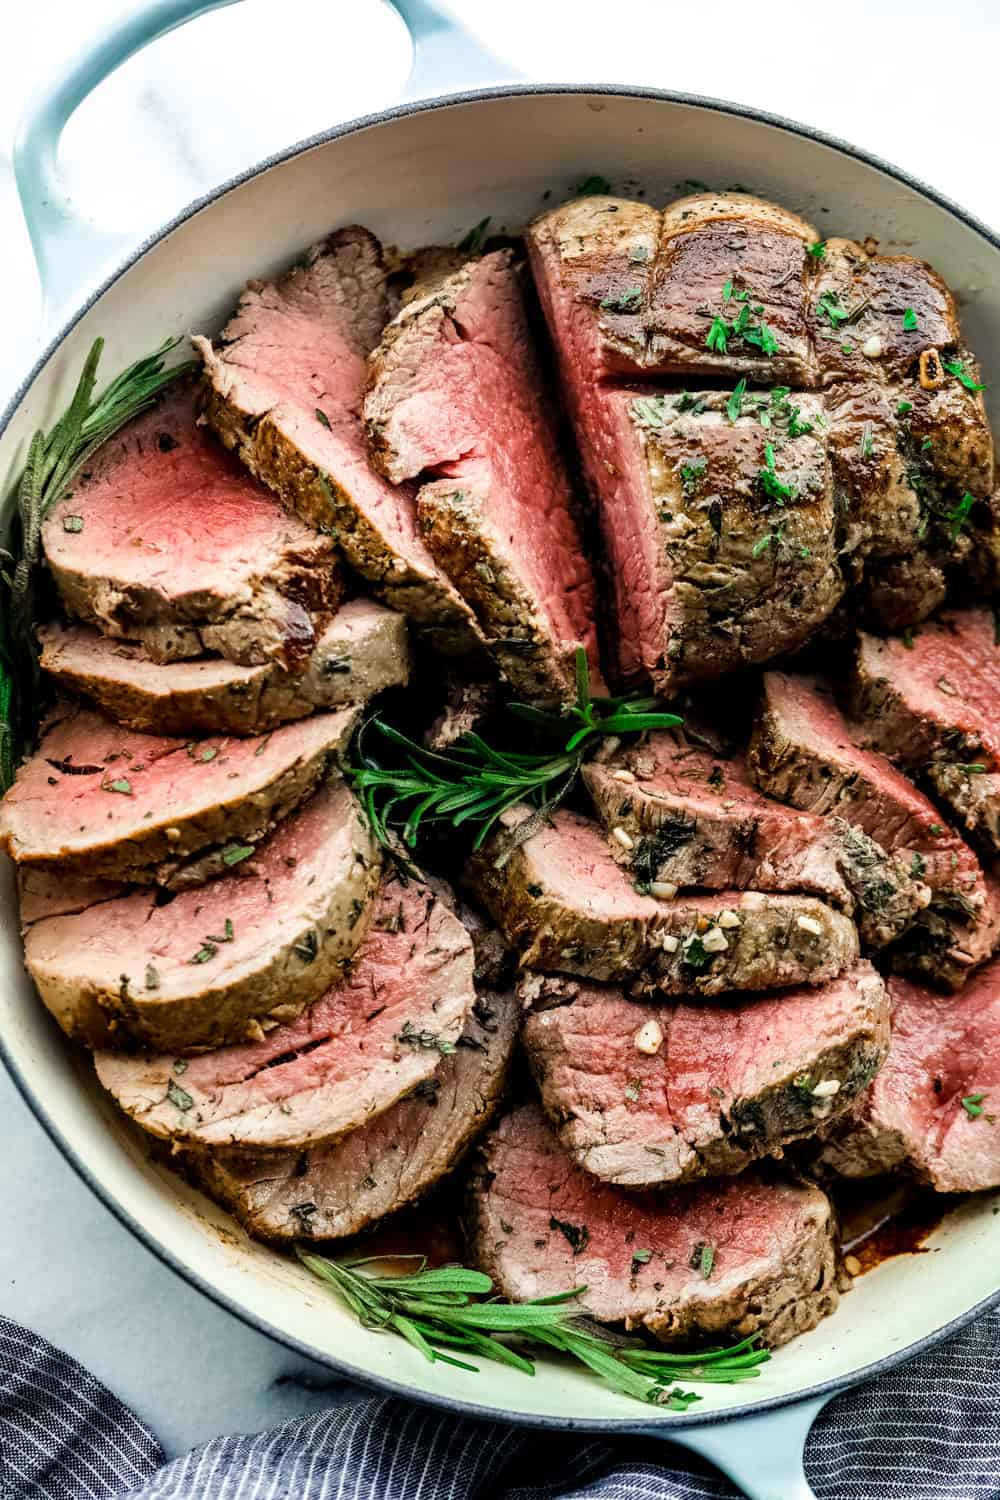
x=414 y=180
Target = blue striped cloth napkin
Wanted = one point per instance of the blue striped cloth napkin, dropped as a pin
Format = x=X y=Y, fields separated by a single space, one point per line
x=927 y=1431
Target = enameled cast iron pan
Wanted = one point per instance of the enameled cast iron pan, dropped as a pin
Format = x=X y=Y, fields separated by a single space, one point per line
x=418 y=173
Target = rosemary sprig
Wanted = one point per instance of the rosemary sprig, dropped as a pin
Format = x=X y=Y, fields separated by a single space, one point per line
x=435 y=1311
x=54 y=461
x=473 y=783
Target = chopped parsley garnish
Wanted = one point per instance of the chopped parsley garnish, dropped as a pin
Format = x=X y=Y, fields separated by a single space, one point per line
x=817 y=249
x=928 y=442
x=695 y=957
x=758 y=334
x=954 y=367
x=628 y=301
x=691 y=475
x=322 y=417
x=427 y=1041
x=735 y=402
x=632 y=1090
x=717 y=337
x=774 y=488
x=973 y=1105
x=640 y=1258
x=232 y=854
x=829 y=307
x=647 y=411
x=703 y=1259
x=474 y=240
x=594 y=184
x=904 y=407
x=638 y=254
x=867 y=442
x=908 y=639
x=75 y=523
x=909 y=320
x=958 y=516
x=120 y=785
x=918 y=865
x=578 y=1235
x=179 y=1098
x=227 y=935
x=770 y=538
x=207 y=951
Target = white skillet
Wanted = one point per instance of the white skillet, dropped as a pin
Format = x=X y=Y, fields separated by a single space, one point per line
x=417 y=173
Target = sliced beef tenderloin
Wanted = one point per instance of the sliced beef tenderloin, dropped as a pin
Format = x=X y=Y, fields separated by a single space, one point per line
x=724 y=1259
x=646 y=1095
x=220 y=963
x=933 y=1107
x=679 y=815
x=41 y=894
x=615 y=281
x=725 y=539
x=457 y=396
x=803 y=751
x=362 y=651
x=328 y=1192
x=167 y=540
x=285 y=384
x=929 y=700
x=367 y=1042
x=100 y=801
x=562 y=900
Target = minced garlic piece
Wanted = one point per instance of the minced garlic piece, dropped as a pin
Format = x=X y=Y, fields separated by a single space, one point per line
x=649 y=1038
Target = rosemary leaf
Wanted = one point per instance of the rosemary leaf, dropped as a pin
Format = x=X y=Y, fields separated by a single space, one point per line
x=434 y=1311
x=473 y=783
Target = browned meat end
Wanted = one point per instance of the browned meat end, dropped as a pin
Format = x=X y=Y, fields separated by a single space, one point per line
x=644 y=1095
x=930 y=702
x=362 y=651
x=457 y=395
x=642 y=289
x=364 y=1044
x=933 y=1106
x=218 y=962
x=100 y=801
x=561 y=899
x=692 y=819
x=328 y=1192
x=285 y=384
x=169 y=541
x=724 y=1259
x=858 y=314
x=804 y=752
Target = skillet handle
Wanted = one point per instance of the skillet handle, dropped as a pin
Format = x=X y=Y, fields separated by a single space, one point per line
x=70 y=250
x=762 y=1455
x=445 y=57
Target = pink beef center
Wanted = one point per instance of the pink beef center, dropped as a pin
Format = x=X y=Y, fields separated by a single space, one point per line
x=186 y=520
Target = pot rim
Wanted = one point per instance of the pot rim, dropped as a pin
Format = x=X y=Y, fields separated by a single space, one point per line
x=663 y=1424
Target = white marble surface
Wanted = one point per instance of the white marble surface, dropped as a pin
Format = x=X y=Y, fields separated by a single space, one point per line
x=909 y=79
